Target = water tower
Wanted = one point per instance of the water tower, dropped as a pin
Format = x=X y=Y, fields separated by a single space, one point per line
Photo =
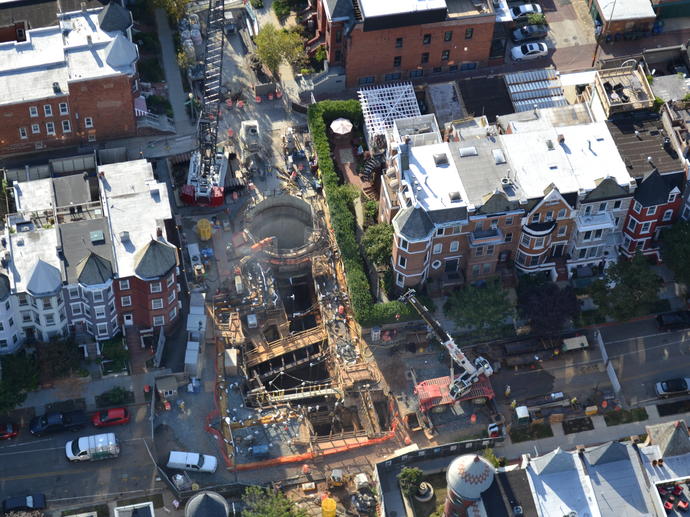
x=468 y=477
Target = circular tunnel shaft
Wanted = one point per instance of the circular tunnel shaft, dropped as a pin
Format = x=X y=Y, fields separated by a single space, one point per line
x=285 y=218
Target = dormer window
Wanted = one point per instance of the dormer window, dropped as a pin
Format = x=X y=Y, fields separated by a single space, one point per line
x=672 y=197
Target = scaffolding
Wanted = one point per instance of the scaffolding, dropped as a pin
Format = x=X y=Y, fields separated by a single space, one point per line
x=383 y=105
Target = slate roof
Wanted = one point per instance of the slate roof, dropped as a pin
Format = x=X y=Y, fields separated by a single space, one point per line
x=155 y=260
x=497 y=203
x=653 y=190
x=553 y=462
x=114 y=18
x=44 y=279
x=94 y=270
x=78 y=248
x=120 y=52
x=207 y=504
x=607 y=189
x=4 y=287
x=339 y=8
x=671 y=438
x=74 y=189
x=413 y=223
x=607 y=453
x=448 y=215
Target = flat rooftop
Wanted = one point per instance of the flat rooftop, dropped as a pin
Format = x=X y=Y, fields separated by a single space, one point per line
x=61 y=54
x=135 y=203
x=39 y=13
x=33 y=196
x=625 y=10
x=26 y=249
x=570 y=157
x=637 y=139
x=372 y=8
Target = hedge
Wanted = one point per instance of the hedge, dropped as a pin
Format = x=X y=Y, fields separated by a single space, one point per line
x=339 y=199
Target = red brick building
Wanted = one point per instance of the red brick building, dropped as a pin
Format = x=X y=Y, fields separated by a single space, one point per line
x=377 y=40
x=69 y=84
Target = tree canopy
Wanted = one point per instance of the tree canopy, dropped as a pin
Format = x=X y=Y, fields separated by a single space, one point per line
x=409 y=479
x=484 y=308
x=629 y=289
x=545 y=305
x=19 y=375
x=675 y=250
x=274 y=46
x=377 y=242
x=174 y=8
x=263 y=502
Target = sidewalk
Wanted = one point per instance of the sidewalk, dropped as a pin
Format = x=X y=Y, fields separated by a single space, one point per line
x=176 y=92
x=600 y=434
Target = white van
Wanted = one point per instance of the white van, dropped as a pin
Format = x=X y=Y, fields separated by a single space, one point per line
x=92 y=448
x=192 y=461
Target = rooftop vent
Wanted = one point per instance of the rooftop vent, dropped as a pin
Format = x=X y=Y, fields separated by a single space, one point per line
x=89 y=40
x=440 y=159
x=56 y=88
x=25 y=226
x=97 y=237
x=549 y=145
x=124 y=236
x=498 y=155
x=454 y=196
x=561 y=139
x=468 y=151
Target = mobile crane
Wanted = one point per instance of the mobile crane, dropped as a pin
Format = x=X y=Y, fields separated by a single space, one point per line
x=208 y=167
x=469 y=373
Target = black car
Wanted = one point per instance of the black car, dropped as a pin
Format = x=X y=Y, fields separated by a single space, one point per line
x=530 y=33
x=676 y=320
x=56 y=422
x=24 y=503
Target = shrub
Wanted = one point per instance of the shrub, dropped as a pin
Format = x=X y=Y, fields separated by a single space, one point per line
x=536 y=19
x=338 y=198
x=257 y=4
x=281 y=8
x=409 y=479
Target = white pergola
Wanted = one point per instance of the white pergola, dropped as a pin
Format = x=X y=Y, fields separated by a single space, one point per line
x=383 y=105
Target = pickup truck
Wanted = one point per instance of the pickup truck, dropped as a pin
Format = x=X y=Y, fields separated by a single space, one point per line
x=57 y=422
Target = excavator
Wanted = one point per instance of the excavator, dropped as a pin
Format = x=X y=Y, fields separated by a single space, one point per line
x=469 y=373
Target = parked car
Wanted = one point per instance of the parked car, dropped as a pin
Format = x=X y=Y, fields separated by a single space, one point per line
x=114 y=416
x=529 y=51
x=676 y=320
x=56 y=422
x=677 y=386
x=24 y=503
x=8 y=431
x=521 y=12
x=530 y=33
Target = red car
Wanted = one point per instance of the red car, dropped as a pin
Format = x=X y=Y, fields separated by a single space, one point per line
x=115 y=416
x=8 y=431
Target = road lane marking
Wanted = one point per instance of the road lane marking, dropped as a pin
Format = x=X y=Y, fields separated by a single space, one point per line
x=43 y=475
x=61 y=448
x=20 y=444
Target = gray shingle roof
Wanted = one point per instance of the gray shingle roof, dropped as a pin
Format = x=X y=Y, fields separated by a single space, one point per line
x=155 y=259
x=607 y=189
x=653 y=190
x=413 y=223
x=44 y=279
x=497 y=203
x=607 y=453
x=94 y=270
x=671 y=437
x=114 y=17
x=207 y=504
x=448 y=215
x=339 y=8
x=553 y=462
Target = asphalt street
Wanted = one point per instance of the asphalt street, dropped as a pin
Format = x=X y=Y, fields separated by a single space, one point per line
x=643 y=356
x=29 y=464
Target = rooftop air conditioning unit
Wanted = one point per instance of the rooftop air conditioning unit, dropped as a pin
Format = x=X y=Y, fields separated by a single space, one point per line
x=124 y=236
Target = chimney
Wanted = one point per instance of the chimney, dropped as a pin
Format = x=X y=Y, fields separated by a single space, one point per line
x=89 y=40
x=83 y=7
x=159 y=233
x=561 y=139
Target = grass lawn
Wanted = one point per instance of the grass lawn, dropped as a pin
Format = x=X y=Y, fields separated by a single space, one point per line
x=524 y=433
x=624 y=416
x=438 y=482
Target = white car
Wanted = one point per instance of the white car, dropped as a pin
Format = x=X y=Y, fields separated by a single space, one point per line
x=520 y=12
x=529 y=51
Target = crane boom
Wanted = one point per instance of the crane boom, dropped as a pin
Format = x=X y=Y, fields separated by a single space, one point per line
x=469 y=373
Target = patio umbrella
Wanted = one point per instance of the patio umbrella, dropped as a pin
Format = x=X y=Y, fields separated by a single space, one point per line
x=342 y=126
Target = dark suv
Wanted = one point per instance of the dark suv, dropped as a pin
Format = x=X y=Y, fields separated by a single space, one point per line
x=677 y=320
x=24 y=503
x=57 y=422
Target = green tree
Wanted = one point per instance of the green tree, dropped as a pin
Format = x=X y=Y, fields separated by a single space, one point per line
x=281 y=8
x=484 y=308
x=629 y=289
x=409 y=479
x=545 y=305
x=19 y=375
x=174 y=8
x=536 y=19
x=263 y=502
x=675 y=249
x=377 y=242
x=274 y=46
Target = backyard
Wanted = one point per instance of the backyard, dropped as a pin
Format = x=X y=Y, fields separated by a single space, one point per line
x=115 y=356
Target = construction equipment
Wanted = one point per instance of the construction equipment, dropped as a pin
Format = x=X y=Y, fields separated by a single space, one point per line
x=207 y=166
x=336 y=478
x=469 y=373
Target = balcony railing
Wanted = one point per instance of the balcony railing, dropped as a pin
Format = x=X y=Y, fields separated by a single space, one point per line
x=601 y=221
x=483 y=237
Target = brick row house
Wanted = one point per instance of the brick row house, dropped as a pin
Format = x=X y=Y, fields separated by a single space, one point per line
x=71 y=83
x=377 y=40
x=87 y=255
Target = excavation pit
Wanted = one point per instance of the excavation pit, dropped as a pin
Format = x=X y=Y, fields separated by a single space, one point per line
x=287 y=219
